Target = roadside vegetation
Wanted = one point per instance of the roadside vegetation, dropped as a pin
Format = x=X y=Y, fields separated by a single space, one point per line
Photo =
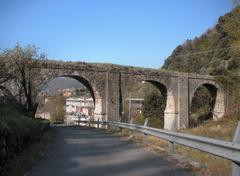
x=20 y=135
x=16 y=70
x=223 y=129
x=55 y=105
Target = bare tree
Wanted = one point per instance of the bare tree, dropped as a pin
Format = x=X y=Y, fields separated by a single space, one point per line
x=4 y=75
x=16 y=64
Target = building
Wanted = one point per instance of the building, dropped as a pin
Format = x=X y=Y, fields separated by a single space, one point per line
x=67 y=93
x=79 y=106
x=82 y=105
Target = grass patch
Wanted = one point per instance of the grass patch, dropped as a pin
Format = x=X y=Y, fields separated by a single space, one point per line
x=216 y=165
x=222 y=129
x=152 y=121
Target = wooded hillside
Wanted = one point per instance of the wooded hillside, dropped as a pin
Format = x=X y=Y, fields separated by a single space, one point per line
x=216 y=52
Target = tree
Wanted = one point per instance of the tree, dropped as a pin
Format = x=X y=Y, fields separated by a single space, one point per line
x=236 y=3
x=16 y=64
x=154 y=104
x=4 y=74
x=202 y=106
x=58 y=113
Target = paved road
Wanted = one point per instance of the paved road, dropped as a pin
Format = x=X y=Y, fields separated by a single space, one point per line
x=94 y=152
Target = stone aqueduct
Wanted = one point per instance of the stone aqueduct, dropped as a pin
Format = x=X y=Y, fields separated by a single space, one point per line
x=110 y=87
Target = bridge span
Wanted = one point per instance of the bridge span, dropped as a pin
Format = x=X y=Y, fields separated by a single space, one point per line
x=111 y=86
x=84 y=151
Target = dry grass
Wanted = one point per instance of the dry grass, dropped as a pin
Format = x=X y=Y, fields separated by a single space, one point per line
x=217 y=166
x=223 y=129
x=211 y=165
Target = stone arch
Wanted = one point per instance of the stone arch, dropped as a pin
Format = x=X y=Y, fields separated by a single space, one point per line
x=217 y=94
x=170 y=109
x=81 y=79
x=87 y=83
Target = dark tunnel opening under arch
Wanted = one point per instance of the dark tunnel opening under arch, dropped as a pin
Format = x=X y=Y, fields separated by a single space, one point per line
x=202 y=104
x=160 y=100
x=160 y=86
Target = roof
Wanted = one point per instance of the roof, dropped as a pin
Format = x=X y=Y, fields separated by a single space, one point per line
x=136 y=99
x=79 y=99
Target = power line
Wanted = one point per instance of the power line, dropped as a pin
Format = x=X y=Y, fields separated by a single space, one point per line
x=207 y=51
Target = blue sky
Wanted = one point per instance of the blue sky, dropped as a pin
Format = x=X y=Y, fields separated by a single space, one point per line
x=128 y=32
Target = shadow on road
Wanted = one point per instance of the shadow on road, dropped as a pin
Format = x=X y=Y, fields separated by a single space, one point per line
x=90 y=151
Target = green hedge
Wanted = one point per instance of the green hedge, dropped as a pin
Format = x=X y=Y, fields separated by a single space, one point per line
x=16 y=132
x=152 y=121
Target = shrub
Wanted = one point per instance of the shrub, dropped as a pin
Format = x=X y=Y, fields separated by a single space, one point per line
x=138 y=119
x=155 y=122
x=16 y=132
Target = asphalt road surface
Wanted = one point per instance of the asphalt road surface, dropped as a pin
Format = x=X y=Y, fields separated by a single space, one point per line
x=94 y=152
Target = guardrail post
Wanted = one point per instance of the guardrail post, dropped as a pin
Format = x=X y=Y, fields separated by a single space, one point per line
x=131 y=121
x=145 y=135
x=130 y=131
x=108 y=126
x=146 y=122
x=236 y=166
x=120 y=120
x=170 y=147
x=98 y=123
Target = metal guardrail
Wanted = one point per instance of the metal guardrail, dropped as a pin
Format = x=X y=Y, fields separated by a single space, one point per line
x=224 y=149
